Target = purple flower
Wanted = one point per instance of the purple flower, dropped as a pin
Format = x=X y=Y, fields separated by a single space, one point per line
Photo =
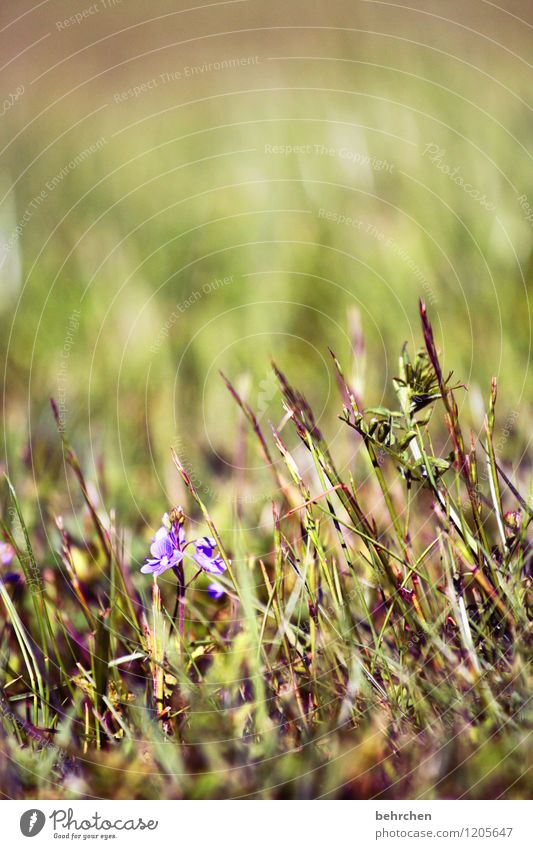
x=216 y=590
x=165 y=554
x=206 y=558
x=169 y=547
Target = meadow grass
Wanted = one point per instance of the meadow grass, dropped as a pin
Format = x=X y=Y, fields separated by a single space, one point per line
x=373 y=639
x=197 y=195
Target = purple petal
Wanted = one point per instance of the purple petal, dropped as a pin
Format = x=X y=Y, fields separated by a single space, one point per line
x=150 y=568
x=206 y=545
x=162 y=547
x=215 y=590
x=213 y=565
x=177 y=557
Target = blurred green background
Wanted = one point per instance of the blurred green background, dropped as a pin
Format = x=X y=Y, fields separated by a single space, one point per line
x=204 y=189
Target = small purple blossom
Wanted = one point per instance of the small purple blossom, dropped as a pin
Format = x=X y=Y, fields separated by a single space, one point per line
x=206 y=558
x=216 y=590
x=169 y=547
